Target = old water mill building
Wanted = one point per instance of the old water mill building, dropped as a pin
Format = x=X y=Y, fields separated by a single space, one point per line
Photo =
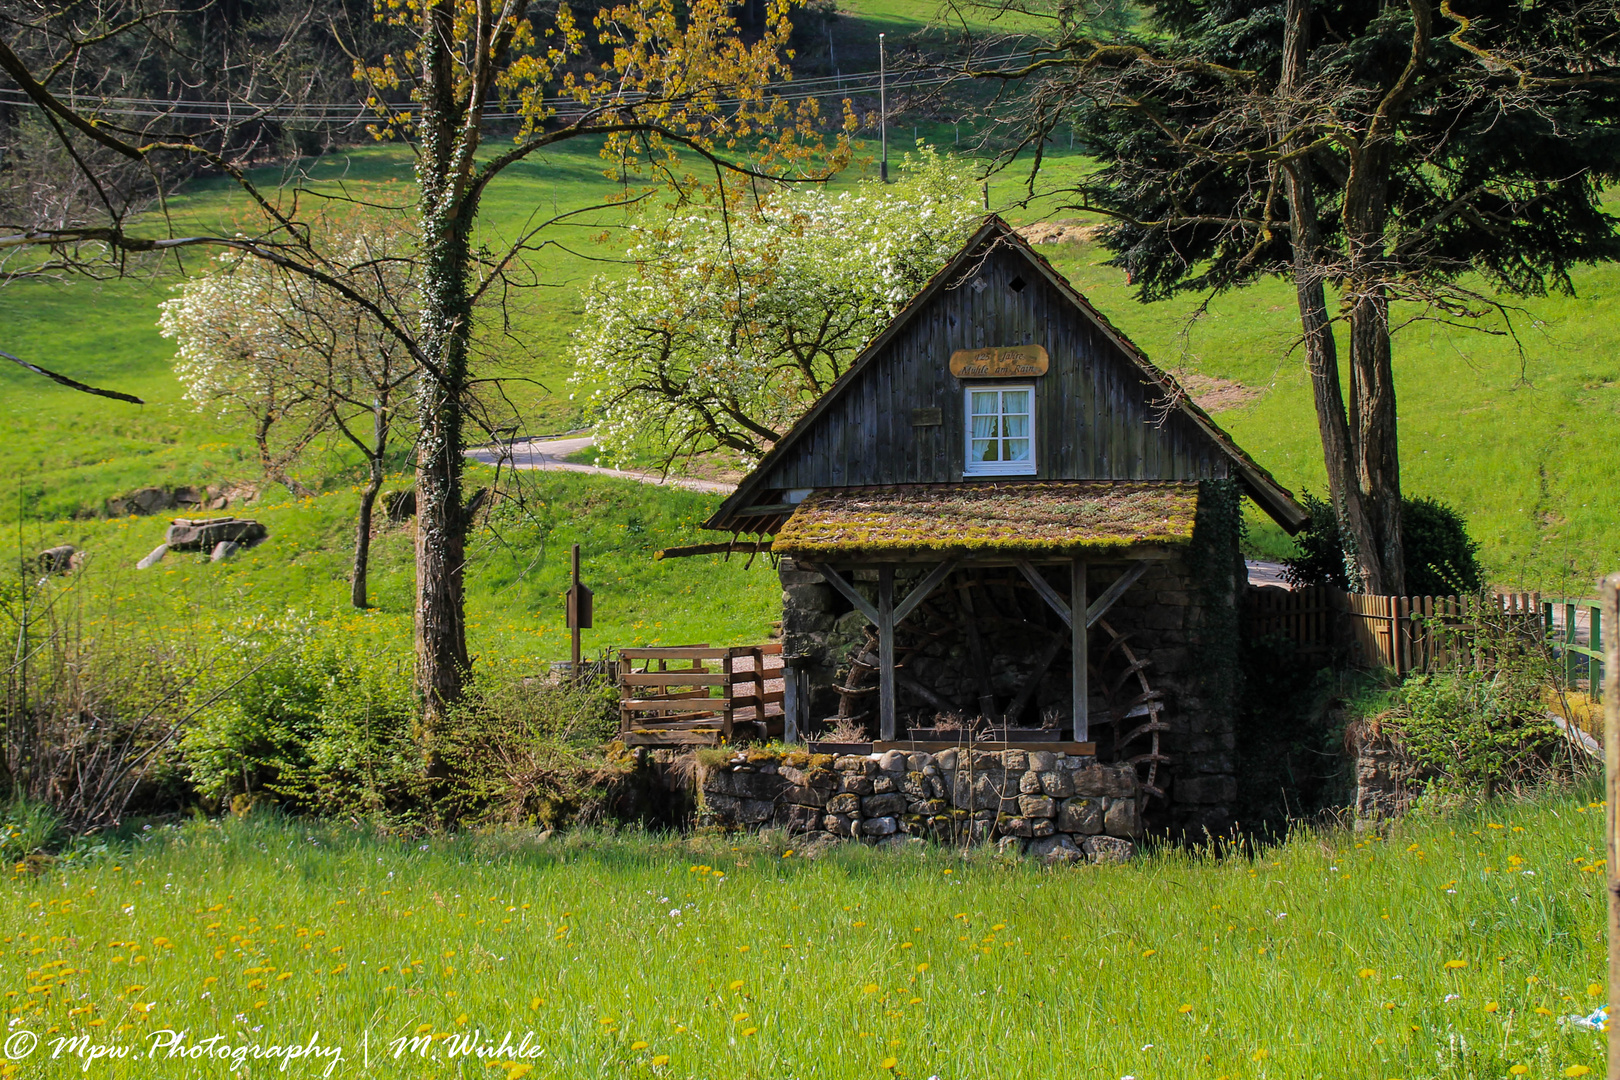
x=1005 y=528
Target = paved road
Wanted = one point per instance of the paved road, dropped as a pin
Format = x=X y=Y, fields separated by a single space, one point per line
x=549 y=454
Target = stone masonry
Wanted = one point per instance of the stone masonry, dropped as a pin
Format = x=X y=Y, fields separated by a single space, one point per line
x=1056 y=806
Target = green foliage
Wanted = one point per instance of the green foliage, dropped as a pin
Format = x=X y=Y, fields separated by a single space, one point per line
x=1441 y=558
x=27 y=826
x=528 y=752
x=1481 y=722
x=312 y=717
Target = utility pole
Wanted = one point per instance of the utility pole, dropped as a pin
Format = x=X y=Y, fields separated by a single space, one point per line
x=883 y=110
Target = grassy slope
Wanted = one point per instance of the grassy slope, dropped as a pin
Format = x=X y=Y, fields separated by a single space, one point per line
x=1523 y=457
x=723 y=958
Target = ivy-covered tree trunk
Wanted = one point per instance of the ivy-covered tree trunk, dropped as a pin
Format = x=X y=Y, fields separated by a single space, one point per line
x=1377 y=455
x=446 y=223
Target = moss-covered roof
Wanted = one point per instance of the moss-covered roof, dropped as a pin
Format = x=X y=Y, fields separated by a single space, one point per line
x=1013 y=517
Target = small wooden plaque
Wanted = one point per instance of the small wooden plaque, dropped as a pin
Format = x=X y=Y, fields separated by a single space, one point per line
x=1008 y=362
x=931 y=417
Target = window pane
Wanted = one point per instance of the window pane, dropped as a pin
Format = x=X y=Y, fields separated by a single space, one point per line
x=984 y=427
x=984 y=402
x=1015 y=401
x=1015 y=426
x=984 y=449
x=1017 y=450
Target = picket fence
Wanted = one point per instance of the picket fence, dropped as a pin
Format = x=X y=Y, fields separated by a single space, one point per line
x=1404 y=633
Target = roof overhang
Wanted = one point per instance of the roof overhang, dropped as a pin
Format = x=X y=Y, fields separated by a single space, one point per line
x=1016 y=519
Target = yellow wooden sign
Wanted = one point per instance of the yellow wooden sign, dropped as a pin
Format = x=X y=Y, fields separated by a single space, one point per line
x=1008 y=362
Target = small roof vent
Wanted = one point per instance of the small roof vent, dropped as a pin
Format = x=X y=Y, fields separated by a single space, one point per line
x=1017 y=284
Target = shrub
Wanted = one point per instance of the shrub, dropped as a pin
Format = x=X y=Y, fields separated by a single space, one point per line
x=318 y=718
x=1441 y=559
x=528 y=752
x=1481 y=723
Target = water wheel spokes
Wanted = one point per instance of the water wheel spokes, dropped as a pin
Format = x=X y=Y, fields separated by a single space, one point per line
x=1131 y=697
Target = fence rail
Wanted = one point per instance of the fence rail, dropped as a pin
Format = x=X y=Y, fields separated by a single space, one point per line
x=696 y=695
x=1404 y=633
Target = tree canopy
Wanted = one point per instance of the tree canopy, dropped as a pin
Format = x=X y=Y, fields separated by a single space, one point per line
x=735 y=322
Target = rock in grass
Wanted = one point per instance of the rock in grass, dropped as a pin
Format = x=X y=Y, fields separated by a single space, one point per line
x=1108 y=849
x=202 y=534
x=154 y=558
x=1057 y=849
x=224 y=550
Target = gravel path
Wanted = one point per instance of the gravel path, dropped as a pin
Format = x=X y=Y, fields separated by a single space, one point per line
x=549 y=454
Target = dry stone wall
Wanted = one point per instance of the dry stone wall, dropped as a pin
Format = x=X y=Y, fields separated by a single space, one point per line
x=1056 y=806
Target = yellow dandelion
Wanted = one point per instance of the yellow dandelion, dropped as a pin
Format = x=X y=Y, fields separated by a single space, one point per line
x=1185 y=1008
x=870 y=988
x=1491 y=1006
x=1576 y=1070
x=1366 y=973
x=889 y=1063
x=736 y=984
x=1260 y=1055
x=1456 y=965
x=1149 y=952
x=749 y=1031
x=639 y=1044
x=1594 y=990
x=922 y=967
x=1519 y=1070
x=660 y=1060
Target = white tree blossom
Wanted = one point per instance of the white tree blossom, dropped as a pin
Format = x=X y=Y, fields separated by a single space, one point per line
x=734 y=323
x=297 y=360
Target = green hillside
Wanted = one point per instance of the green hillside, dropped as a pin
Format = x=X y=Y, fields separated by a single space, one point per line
x=1514 y=440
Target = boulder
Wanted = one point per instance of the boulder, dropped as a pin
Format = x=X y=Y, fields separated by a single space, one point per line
x=1111 y=780
x=1057 y=849
x=1120 y=817
x=203 y=534
x=883 y=805
x=880 y=826
x=224 y=550
x=153 y=558
x=62 y=559
x=1108 y=849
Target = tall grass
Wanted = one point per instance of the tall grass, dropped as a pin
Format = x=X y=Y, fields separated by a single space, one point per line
x=1449 y=946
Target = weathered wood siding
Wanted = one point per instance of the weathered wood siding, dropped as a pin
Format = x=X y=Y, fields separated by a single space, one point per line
x=1095 y=418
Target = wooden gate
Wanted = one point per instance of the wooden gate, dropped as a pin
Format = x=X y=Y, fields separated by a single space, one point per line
x=694 y=695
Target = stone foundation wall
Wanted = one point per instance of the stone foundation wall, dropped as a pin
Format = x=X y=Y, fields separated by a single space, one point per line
x=1057 y=806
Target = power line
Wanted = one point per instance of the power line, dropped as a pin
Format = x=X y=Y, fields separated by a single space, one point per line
x=818 y=87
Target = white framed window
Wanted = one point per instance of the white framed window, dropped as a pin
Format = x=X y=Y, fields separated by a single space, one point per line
x=1000 y=430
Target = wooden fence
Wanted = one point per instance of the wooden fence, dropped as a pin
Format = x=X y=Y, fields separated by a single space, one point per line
x=1405 y=633
x=694 y=695
x=1581 y=661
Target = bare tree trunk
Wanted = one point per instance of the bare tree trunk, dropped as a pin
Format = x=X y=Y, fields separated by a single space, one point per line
x=1321 y=350
x=368 y=501
x=1378 y=463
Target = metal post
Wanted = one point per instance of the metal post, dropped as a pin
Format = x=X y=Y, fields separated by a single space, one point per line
x=574 y=670
x=886 y=702
x=1611 y=790
x=883 y=110
x=790 y=698
x=1081 y=684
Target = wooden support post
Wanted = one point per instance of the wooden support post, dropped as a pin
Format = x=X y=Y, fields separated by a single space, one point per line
x=1077 y=635
x=1611 y=788
x=790 y=699
x=885 y=621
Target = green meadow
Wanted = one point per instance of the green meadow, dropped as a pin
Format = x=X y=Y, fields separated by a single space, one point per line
x=1448 y=946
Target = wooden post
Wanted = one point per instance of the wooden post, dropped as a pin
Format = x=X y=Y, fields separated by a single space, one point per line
x=790 y=699
x=1077 y=637
x=573 y=620
x=886 y=702
x=1611 y=791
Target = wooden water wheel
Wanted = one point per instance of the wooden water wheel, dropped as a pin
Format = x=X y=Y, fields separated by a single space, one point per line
x=1135 y=709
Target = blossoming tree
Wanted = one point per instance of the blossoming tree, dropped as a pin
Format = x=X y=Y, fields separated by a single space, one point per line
x=733 y=323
